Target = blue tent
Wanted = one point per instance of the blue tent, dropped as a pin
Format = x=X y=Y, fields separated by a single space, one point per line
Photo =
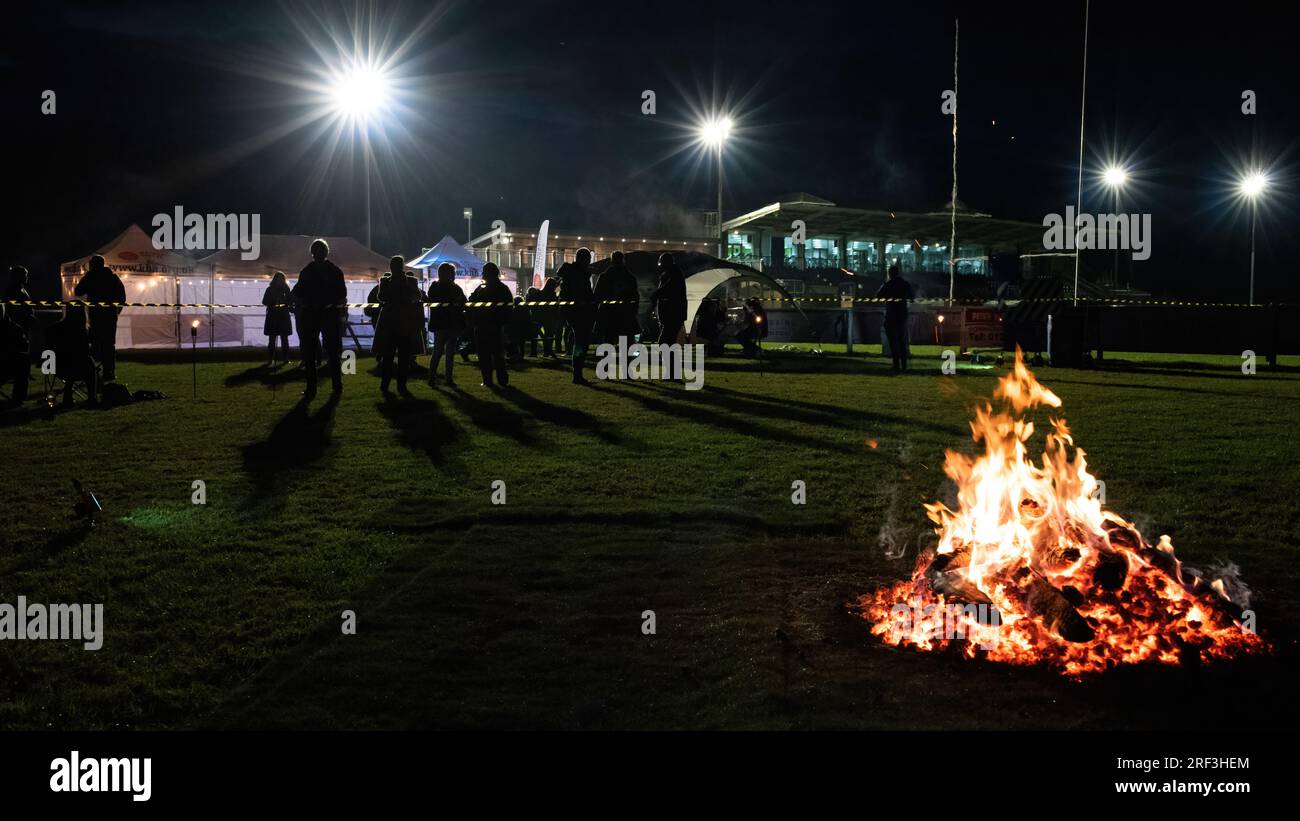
x=467 y=265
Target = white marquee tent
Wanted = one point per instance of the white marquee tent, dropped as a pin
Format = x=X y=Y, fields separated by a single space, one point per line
x=152 y=275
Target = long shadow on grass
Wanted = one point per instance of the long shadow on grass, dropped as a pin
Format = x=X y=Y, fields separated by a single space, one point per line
x=493 y=417
x=553 y=414
x=422 y=426
x=300 y=440
x=809 y=413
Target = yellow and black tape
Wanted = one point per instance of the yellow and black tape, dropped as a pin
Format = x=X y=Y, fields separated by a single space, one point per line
x=938 y=301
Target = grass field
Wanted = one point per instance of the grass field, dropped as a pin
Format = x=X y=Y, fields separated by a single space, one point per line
x=621 y=498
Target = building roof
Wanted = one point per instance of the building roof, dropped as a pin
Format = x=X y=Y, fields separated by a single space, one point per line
x=825 y=218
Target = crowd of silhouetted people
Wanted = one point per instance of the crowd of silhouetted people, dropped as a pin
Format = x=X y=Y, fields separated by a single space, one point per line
x=572 y=311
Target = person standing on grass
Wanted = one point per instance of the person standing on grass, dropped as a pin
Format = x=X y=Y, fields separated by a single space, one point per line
x=617 y=301
x=16 y=291
x=320 y=292
x=669 y=301
x=898 y=291
x=545 y=318
x=279 y=319
x=446 y=320
x=399 y=327
x=101 y=284
x=489 y=324
x=575 y=287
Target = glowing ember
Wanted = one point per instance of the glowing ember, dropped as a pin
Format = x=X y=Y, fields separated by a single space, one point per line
x=1031 y=570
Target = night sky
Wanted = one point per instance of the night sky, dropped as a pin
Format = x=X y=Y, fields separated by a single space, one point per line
x=528 y=110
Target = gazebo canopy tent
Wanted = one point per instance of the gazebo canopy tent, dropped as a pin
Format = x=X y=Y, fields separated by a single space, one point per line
x=705 y=276
x=469 y=268
x=150 y=275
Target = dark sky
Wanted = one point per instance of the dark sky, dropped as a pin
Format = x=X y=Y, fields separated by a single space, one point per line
x=526 y=110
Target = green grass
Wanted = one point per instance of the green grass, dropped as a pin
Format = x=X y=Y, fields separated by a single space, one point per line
x=621 y=498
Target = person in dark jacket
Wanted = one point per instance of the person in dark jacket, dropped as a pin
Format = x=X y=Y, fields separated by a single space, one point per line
x=575 y=286
x=319 y=293
x=669 y=300
x=279 y=317
x=545 y=318
x=617 y=299
x=101 y=284
x=15 y=359
x=16 y=291
x=488 y=324
x=898 y=291
x=399 y=327
x=446 y=320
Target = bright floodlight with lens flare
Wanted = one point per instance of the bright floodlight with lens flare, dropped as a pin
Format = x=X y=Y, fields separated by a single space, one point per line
x=1115 y=176
x=359 y=92
x=1253 y=184
x=715 y=131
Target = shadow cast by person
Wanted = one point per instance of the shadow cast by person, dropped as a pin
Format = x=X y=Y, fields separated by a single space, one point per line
x=299 y=440
x=553 y=414
x=271 y=377
x=494 y=417
x=422 y=426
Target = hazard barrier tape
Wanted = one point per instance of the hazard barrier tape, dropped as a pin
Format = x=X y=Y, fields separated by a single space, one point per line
x=39 y=303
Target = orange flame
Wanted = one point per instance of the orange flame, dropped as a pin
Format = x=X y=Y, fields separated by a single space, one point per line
x=1074 y=586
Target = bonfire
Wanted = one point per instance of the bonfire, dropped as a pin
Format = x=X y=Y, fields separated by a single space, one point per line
x=1032 y=569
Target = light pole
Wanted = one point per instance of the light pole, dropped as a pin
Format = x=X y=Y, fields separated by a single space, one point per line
x=713 y=133
x=1115 y=176
x=1252 y=186
x=469 y=224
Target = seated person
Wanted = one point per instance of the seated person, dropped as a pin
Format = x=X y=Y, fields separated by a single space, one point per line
x=70 y=341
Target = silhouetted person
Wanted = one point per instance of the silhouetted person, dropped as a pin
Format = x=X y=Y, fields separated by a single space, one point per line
x=320 y=291
x=399 y=328
x=753 y=329
x=101 y=284
x=575 y=286
x=519 y=330
x=15 y=359
x=447 y=321
x=708 y=325
x=898 y=291
x=16 y=291
x=488 y=324
x=73 y=359
x=669 y=300
x=617 y=300
x=279 y=317
x=545 y=318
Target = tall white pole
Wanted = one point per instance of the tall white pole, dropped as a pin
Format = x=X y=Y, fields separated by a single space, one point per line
x=1083 y=107
x=1252 y=250
x=952 y=240
x=722 y=238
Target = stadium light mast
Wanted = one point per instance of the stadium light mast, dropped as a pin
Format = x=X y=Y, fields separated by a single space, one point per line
x=713 y=133
x=1252 y=187
x=1115 y=177
x=360 y=94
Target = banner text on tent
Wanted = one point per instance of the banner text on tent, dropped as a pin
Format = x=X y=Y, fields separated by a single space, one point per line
x=208 y=232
